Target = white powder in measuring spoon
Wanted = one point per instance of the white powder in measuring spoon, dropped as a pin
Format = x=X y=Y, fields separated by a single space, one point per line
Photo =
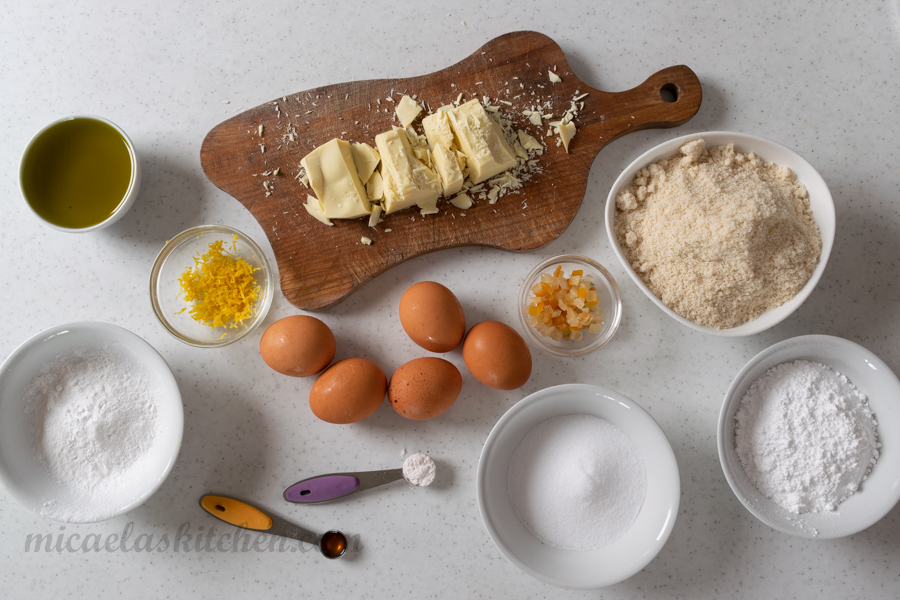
x=94 y=418
x=419 y=470
x=577 y=482
x=805 y=436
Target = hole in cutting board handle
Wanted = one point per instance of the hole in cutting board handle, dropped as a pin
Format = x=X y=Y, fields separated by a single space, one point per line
x=220 y=507
x=669 y=93
x=305 y=492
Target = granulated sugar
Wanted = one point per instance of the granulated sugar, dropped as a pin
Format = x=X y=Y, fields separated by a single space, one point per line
x=94 y=419
x=577 y=482
x=718 y=236
x=805 y=436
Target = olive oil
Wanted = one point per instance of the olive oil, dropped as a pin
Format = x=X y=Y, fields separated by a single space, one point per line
x=77 y=173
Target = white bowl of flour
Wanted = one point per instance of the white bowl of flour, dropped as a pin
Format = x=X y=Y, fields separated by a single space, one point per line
x=90 y=422
x=532 y=479
x=688 y=241
x=803 y=433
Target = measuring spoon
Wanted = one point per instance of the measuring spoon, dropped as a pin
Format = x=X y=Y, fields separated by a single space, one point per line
x=333 y=544
x=325 y=488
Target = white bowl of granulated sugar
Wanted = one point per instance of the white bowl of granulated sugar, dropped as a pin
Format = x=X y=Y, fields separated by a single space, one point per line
x=578 y=486
x=90 y=422
x=798 y=430
x=698 y=248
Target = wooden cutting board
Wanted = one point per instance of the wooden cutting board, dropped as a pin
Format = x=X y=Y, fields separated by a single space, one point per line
x=320 y=265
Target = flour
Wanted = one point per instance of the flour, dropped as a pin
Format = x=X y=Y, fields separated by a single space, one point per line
x=419 y=470
x=93 y=418
x=577 y=482
x=718 y=236
x=805 y=436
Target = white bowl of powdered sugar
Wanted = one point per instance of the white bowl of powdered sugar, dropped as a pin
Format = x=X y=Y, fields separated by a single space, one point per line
x=90 y=422
x=578 y=486
x=809 y=437
x=727 y=233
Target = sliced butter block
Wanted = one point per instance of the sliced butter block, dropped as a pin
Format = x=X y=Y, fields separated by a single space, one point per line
x=366 y=160
x=314 y=208
x=481 y=140
x=566 y=133
x=407 y=180
x=333 y=177
x=528 y=142
x=375 y=187
x=407 y=110
x=447 y=167
x=437 y=128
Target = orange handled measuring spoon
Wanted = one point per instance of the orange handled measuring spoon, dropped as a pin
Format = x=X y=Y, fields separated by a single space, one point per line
x=332 y=544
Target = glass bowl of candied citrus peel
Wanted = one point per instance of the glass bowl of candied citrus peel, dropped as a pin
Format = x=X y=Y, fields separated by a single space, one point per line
x=570 y=305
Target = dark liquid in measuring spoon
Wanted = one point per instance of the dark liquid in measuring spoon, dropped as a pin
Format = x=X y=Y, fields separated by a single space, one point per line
x=77 y=172
x=333 y=544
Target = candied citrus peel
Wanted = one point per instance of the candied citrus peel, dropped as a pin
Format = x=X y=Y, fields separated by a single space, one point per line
x=221 y=287
x=564 y=308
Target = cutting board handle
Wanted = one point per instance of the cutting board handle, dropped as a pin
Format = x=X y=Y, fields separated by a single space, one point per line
x=667 y=98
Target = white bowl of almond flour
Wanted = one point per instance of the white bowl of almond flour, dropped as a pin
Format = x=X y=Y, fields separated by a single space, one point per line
x=727 y=233
x=578 y=486
x=90 y=422
x=809 y=437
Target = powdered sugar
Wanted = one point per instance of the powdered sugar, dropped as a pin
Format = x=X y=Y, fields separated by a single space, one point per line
x=577 y=482
x=805 y=436
x=94 y=418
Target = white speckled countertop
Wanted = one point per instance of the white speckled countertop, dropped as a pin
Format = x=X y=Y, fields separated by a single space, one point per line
x=823 y=81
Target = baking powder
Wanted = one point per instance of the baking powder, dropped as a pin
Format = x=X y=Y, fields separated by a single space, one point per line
x=419 y=469
x=805 y=436
x=577 y=482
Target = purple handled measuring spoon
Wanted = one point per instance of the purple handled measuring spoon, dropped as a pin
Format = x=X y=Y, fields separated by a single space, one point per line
x=324 y=488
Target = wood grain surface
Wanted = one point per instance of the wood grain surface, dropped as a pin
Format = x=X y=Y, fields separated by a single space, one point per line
x=319 y=266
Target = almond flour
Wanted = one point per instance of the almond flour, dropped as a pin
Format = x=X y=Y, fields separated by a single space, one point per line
x=718 y=236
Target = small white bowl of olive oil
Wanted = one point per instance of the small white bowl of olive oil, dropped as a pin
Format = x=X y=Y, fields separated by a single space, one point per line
x=79 y=173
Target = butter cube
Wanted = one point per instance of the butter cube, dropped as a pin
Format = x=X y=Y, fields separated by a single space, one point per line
x=407 y=181
x=366 y=160
x=407 y=110
x=333 y=177
x=481 y=140
x=447 y=167
x=437 y=130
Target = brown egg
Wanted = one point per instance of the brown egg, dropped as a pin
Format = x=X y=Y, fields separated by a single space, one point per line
x=348 y=391
x=497 y=355
x=297 y=346
x=432 y=316
x=423 y=388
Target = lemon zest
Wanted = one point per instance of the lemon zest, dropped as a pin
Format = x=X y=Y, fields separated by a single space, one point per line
x=220 y=286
